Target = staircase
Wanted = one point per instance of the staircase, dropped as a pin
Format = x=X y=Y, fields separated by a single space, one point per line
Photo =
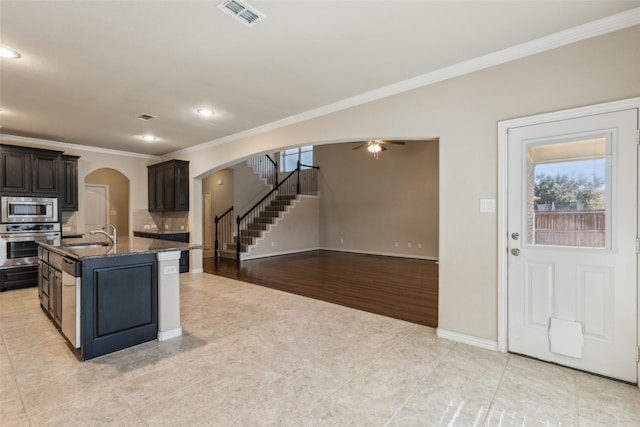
x=232 y=243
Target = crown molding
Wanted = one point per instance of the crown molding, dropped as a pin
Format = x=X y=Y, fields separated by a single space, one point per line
x=589 y=30
x=67 y=146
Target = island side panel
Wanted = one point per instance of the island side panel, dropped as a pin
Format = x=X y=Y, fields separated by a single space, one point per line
x=119 y=303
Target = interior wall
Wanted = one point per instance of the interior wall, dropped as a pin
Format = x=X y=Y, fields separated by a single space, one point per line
x=386 y=206
x=221 y=186
x=118 y=196
x=248 y=188
x=463 y=112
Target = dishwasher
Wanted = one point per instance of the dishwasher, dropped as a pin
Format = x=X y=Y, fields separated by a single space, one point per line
x=71 y=281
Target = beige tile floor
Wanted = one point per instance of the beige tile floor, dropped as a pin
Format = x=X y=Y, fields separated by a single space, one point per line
x=256 y=356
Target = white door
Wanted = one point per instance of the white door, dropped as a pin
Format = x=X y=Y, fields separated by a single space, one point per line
x=96 y=202
x=572 y=230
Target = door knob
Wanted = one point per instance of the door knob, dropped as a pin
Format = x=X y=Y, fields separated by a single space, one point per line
x=515 y=236
x=515 y=251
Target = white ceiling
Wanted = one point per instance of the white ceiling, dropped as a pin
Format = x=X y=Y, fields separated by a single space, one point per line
x=89 y=68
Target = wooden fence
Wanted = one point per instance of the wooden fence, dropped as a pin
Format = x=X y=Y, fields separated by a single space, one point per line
x=570 y=228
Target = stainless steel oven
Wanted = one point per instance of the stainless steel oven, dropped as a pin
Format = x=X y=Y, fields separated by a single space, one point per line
x=16 y=209
x=18 y=245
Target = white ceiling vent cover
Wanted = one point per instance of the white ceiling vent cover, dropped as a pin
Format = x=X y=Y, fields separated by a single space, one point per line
x=240 y=10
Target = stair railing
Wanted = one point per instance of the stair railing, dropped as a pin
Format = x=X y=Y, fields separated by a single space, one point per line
x=224 y=229
x=287 y=187
x=266 y=168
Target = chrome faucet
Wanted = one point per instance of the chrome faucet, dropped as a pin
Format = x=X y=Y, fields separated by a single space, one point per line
x=113 y=237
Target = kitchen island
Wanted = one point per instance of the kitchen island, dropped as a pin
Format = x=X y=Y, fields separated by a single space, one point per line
x=109 y=297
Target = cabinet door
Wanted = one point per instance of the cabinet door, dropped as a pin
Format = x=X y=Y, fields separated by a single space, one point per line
x=55 y=297
x=181 y=189
x=69 y=197
x=151 y=188
x=168 y=199
x=45 y=173
x=15 y=171
x=58 y=311
x=52 y=292
x=18 y=277
x=156 y=189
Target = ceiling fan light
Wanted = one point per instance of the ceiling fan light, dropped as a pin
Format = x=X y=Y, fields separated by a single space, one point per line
x=6 y=52
x=374 y=148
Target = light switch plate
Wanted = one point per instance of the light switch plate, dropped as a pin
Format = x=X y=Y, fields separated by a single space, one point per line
x=487 y=205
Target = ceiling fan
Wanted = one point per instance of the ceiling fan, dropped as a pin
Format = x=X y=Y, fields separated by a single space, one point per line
x=375 y=146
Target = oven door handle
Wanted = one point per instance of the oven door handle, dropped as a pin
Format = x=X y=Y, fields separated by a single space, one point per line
x=28 y=236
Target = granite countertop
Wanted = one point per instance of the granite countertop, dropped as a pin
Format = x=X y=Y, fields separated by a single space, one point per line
x=157 y=231
x=126 y=246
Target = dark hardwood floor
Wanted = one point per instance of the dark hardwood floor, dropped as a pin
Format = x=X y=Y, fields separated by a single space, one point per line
x=403 y=288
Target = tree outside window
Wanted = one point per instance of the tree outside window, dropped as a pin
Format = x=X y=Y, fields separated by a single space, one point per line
x=563 y=190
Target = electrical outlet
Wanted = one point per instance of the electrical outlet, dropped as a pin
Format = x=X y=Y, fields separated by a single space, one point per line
x=409 y=245
x=419 y=245
x=182 y=227
x=153 y=226
x=146 y=226
x=341 y=241
x=166 y=226
x=66 y=228
x=395 y=244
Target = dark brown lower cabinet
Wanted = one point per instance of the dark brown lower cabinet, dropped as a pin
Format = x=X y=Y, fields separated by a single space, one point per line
x=119 y=303
x=18 y=277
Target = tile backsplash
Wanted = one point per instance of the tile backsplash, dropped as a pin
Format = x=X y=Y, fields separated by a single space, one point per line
x=70 y=222
x=161 y=221
x=142 y=220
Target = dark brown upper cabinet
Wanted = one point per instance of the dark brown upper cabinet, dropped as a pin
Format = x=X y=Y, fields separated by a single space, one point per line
x=169 y=186
x=30 y=171
x=69 y=196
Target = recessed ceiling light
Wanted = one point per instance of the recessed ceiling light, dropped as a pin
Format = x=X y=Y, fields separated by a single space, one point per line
x=205 y=113
x=149 y=137
x=6 y=52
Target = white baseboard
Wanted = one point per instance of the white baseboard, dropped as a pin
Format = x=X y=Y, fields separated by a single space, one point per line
x=171 y=333
x=270 y=254
x=468 y=339
x=354 y=251
x=196 y=270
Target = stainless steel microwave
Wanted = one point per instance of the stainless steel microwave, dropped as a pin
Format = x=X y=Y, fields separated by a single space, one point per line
x=29 y=209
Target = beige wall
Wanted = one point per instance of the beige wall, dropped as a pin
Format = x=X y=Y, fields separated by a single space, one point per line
x=118 y=186
x=301 y=232
x=221 y=194
x=248 y=188
x=463 y=113
x=369 y=205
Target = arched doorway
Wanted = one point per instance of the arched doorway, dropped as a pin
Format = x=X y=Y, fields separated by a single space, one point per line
x=115 y=199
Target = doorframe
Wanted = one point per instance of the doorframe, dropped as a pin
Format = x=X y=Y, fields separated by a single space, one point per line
x=503 y=163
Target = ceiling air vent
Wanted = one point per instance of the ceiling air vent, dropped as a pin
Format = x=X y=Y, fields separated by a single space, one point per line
x=146 y=116
x=240 y=10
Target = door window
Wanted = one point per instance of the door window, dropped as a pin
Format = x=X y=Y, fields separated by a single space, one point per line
x=568 y=191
